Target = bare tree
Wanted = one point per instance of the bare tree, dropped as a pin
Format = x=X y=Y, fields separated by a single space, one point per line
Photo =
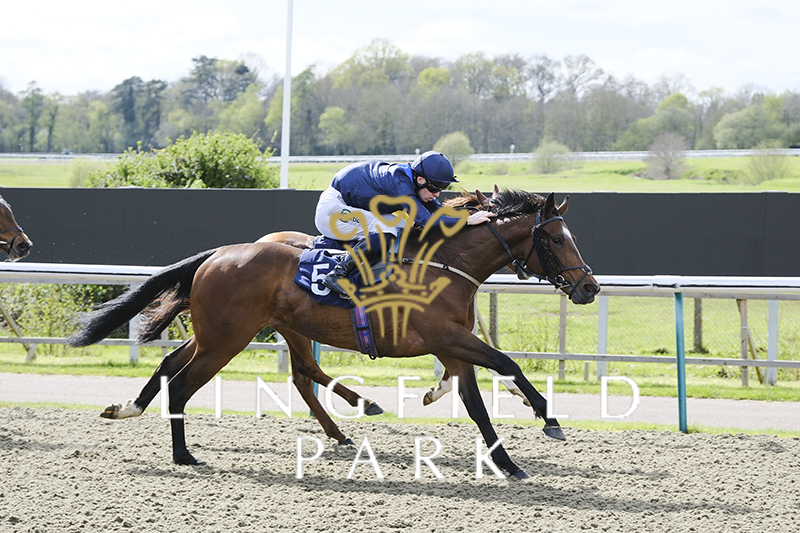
x=541 y=76
x=767 y=163
x=666 y=158
x=578 y=72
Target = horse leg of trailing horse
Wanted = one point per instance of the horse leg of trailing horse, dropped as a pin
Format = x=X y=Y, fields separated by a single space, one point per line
x=170 y=365
x=303 y=363
x=305 y=387
x=444 y=386
x=471 y=396
x=466 y=347
x=512 y=388
x=300 y=353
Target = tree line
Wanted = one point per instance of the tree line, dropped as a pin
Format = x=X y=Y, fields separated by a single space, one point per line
x=384 y=101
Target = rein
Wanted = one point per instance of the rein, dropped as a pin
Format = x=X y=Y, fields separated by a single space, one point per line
x=547 y=259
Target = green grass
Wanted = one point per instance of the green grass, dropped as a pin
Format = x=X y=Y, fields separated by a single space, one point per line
x=45 y=173
x=704 y=175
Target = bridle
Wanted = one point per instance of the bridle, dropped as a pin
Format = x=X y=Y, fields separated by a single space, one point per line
x=552 y=269
x=10 y=244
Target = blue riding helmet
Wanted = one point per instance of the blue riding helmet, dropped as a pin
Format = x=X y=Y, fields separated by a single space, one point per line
x=434 y=166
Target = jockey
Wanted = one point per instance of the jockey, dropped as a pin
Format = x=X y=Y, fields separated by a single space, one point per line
x=354 y=186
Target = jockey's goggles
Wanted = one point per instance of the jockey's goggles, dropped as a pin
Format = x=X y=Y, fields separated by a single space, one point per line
x=432 y=187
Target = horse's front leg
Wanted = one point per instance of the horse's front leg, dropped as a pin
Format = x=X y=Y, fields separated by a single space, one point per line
x=460 y=344
x=471 y=396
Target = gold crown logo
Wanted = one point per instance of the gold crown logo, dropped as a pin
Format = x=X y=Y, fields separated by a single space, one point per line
x=411 y=294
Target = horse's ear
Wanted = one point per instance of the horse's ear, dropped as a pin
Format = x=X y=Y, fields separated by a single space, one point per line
x=549 y=204
x=496 y=192
x=563 y=207
x=481 y=198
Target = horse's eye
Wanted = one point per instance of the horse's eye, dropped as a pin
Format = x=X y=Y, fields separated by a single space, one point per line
x=558 y=240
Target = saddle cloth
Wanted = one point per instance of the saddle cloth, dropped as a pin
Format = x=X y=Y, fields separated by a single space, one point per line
x=313 y=267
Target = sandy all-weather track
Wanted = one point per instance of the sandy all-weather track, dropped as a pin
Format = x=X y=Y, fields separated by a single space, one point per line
x=66 y=470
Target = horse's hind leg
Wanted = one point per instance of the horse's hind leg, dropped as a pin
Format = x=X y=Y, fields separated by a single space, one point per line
x=203 y=366
x=170 y=365
x=303 y=363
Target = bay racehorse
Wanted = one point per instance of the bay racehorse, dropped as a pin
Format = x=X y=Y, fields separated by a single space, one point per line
x=233 y=292
x=13 y=240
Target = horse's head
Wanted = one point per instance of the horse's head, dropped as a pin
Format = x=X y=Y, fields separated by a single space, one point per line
x=546 y=248
x=13 y=240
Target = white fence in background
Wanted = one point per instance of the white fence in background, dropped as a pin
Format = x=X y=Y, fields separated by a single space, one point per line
x=741 y=289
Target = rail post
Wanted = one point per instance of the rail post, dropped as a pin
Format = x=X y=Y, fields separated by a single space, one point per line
x=771 y=374
x=602 y=333
x=681 y=360
x=562 y=337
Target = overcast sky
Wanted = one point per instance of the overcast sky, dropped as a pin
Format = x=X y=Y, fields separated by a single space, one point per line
x=82 y=45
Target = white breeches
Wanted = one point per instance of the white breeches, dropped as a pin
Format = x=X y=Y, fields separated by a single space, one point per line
x=331 y=204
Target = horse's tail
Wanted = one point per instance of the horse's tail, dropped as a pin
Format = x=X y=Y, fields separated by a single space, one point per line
x=98 y=324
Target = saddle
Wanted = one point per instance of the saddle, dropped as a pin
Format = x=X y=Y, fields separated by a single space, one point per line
x=317 y=262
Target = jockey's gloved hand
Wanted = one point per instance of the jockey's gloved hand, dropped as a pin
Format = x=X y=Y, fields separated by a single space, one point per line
x=479 y=217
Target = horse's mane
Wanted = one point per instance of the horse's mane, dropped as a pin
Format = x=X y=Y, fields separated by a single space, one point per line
x=508 y=203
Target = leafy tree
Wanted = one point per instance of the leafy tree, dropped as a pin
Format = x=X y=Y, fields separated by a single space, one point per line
x=12 y=127
x=433 y=78
x=507 y=82
x=33 y=101
x=475 y=74
x=334 y=126
x=149 y=110
x=742 y=129
x=216 y=160
x=103 y=127
x=674 y=114
x=49 y=114
x=378 y=62
x=455 y=146
x=244 y=115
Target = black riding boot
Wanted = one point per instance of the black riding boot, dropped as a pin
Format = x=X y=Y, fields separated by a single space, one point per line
x=346 y=265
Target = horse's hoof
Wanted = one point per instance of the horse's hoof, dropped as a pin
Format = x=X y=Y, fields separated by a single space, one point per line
x=348 y=441
x=373 y=409
x=526 y=402
x=187 y=459
x=519 y=475
x=428 y=398
x=111 y=411
x=554 y=432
